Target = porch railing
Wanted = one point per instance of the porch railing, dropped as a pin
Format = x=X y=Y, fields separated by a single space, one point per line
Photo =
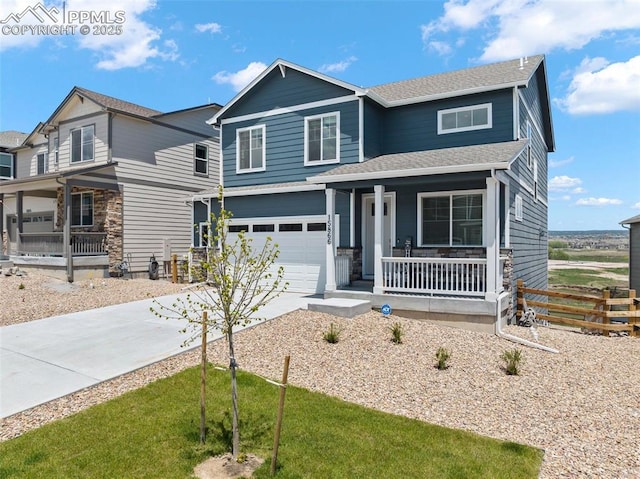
x=52 y=244
x=343 y=270
x=446 y=276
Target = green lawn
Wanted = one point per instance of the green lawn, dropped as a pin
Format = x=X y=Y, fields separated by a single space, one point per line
x=153 y=433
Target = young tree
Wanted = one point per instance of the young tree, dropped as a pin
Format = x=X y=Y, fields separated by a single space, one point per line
x=236 y=282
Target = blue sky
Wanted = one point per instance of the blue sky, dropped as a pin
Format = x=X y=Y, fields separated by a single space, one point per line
x=170 y=55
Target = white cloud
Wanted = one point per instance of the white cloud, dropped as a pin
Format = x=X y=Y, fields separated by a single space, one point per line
x=602 y=87
x=526 y=27
x=134 y=46
x=563 y=183
x=337 y=67
x=241 y=78
x=209 y=27
x=558 y=163
x=636 y=206
x=598 y=202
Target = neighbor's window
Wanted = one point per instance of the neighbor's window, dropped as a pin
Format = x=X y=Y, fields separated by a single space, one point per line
x=201 y=160
x=321 y=135
x=250 y=149
x=450 y=220
x=82 y=209
x=55 y=152
x=467 y=118
x=41 y=167
x=6 y=166
x=518 y=208
x=82 y=140
x=530 y=139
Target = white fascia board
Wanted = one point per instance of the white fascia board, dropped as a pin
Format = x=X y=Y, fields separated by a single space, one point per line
x=274 y=190
x=291 y=109
x=284 y=64
x=438 y=170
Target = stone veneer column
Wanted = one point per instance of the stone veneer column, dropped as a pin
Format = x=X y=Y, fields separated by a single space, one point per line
x=114 y=229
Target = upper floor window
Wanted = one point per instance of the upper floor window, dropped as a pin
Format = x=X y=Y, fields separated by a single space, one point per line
x=82 y=144
x=518 y=208
x=450 y=219
x=466 y=118
x=529 y=153
x=82 y=209
x=321 y=139
x=201 y=160
x=41 y=167
x=250 y=149
x=6 y=166
x=55 y=152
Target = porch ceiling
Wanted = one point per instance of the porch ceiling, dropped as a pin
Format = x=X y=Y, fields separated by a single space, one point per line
x=430 y=162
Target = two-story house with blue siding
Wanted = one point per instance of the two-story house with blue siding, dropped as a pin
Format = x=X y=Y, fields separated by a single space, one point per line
x=102 y=185
x=434 y=189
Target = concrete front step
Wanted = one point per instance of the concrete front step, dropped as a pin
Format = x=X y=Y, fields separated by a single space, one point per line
x=344 y=307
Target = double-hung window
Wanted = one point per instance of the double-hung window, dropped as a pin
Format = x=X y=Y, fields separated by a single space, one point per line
x=55 y=153
x=41 y=167
x=201 y=160
x=82 y=144
x=82 y=209
x=6 y=166
x=251 y=149
x=451 y=219
x=322 y=139
x=467 y=118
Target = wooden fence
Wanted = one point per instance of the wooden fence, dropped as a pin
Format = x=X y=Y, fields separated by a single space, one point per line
x=599 y=317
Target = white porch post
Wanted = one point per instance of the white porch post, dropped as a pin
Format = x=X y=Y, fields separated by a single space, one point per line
x=493 y=239
x=330 y=194
x=378 y=199
x=66 y=232
x=19 y=219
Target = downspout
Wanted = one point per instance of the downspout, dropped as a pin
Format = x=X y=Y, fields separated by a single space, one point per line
x=498 y=321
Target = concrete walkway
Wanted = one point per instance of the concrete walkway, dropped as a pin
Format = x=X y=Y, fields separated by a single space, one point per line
x=49 y=358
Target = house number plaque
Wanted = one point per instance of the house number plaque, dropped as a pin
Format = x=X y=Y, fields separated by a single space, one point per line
x=329 y=226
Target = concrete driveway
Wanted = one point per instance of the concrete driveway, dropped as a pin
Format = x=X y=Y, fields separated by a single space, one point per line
x=49 y=358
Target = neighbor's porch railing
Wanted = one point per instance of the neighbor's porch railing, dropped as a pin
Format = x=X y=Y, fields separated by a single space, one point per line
x=446 y=276
x=52 y=244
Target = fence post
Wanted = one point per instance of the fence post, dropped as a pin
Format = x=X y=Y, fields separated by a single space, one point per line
x=632 y=309
x=520 y=299
x=174 y=268
x=606 y=294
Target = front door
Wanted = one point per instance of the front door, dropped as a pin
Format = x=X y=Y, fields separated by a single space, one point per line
x=368 y=231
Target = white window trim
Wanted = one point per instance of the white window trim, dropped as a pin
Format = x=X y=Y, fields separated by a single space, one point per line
x=529 y=145
x=201 y=226
x=488 y=125
x=11 y=172
x=45 y=163
x=81 y=194
x=264 y=149
x=518 y=208
x=93 y=144
x=307 y=119
x=419 y=242
x=196 y=160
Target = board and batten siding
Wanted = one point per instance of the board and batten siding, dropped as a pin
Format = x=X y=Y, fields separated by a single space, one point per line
x=415 y=127
x=284 y=137
x=150 y=215
x=275 y=91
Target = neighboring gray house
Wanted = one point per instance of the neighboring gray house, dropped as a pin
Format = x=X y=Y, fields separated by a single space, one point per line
x=104 y=181
x=634 y=251
x=434 y=189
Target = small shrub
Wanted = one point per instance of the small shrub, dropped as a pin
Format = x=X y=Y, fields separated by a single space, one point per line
x=397 y=331
x=332 y=335
x=512 y=359
x=442 y=355
x=21 y=286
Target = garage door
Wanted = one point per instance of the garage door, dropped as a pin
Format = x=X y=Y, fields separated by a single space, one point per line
x=302 y=243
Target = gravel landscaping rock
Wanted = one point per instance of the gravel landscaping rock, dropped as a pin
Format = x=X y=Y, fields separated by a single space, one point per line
x=581 y=406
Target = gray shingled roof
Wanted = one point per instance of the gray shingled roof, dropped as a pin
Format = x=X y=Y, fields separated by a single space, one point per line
x=464 y=158
x=12 y=138
x=485 y=76
x=633 y=219
x=116 y=104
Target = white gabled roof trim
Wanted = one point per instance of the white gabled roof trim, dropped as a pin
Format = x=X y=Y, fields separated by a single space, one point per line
x=291 y=109
x=281 y=64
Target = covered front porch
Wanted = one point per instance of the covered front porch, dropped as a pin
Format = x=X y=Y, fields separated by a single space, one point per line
x=64 y=224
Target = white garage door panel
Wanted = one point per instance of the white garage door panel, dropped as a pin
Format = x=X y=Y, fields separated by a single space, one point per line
x=302 y=255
